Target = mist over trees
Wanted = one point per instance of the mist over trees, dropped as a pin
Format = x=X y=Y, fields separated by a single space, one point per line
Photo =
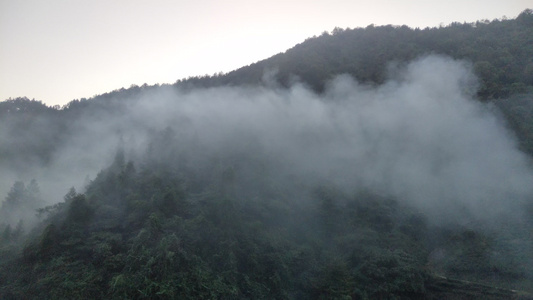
x=500 y=51
x=372 y=163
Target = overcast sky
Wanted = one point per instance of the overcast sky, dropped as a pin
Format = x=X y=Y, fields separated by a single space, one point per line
x=59 y=50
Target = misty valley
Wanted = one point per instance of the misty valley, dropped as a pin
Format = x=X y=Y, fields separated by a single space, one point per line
x=372 y=163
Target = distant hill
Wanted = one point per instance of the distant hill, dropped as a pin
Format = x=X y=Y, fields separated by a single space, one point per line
x=501 y=52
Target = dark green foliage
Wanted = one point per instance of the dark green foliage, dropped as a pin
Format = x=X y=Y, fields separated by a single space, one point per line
x=32 y=130
x=518 y=112
x=180 y=223
x=164 y=232
x=79 y=211
x=501 y=52
x=48 y=244
x=382 y=275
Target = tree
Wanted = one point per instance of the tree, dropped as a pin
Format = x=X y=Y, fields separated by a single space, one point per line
x=21 y=202
x=15 y=196
x=79 y=211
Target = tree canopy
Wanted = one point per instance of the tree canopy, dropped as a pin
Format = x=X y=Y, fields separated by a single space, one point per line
x=181 y=217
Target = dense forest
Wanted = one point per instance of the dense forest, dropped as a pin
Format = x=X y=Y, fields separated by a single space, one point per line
x=383 y=162
x=499 y=50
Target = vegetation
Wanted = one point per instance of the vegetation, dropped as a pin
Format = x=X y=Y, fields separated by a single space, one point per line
x=501 y=52
x=176 y=222
x=174 y=232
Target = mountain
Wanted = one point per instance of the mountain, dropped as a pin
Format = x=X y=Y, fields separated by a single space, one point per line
x=500 y=51
x=372 y=163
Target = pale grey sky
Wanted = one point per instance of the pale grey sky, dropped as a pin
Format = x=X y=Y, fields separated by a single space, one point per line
x=60 y=50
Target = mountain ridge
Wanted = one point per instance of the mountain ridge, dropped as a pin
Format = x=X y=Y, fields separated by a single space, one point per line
x=281 y=180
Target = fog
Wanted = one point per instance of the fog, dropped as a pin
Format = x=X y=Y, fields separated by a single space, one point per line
x=421 y=138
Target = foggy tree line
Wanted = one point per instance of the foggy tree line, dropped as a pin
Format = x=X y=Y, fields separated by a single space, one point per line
x=500 y=50
x=173 y=230
x=213 y=188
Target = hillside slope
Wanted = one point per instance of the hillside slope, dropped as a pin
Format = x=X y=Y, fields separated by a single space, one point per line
x=297 y=184
x=501 y=52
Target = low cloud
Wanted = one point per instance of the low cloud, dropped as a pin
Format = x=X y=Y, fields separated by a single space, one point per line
x=421 y=137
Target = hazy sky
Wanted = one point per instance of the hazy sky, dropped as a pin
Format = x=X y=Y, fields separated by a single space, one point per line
x=60 y=50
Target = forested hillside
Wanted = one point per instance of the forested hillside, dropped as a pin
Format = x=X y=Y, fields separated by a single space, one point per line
x=374 y=163
x=501 y=52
